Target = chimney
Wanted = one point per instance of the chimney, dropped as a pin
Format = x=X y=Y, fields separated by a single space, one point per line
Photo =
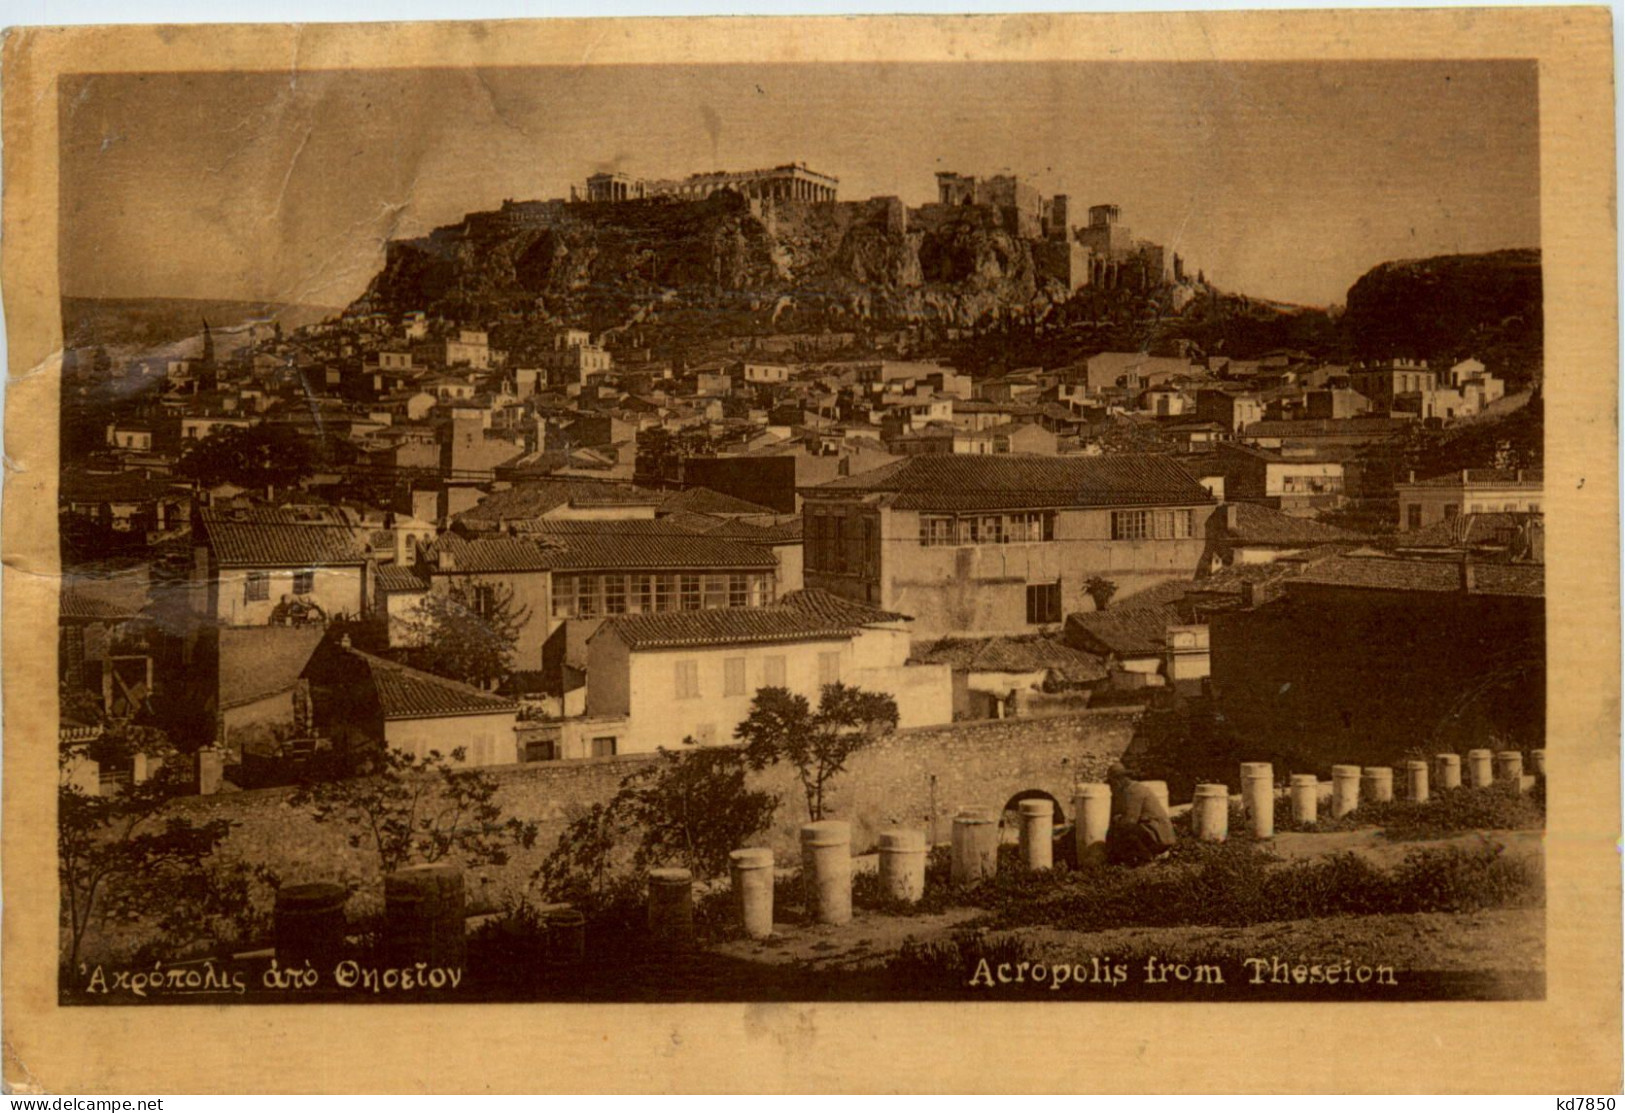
x=1412 y=478
x=1469 y=575
x=445 y=561
x=1230 y=515
x=1249 y=594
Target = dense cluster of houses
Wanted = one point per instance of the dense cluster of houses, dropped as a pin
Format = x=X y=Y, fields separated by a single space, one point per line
x=673 y=534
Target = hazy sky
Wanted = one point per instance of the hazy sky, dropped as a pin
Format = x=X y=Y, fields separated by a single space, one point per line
x=1280 y=180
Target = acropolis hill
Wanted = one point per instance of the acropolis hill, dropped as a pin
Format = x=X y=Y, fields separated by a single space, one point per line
x=985 y=248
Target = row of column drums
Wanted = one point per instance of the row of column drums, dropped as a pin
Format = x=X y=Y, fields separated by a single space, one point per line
x=1210 y=811
x=826 y=845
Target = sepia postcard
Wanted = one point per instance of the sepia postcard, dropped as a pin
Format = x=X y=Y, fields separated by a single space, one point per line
x=681 y=554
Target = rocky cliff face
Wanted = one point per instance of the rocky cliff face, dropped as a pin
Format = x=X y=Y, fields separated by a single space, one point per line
x=854 y=260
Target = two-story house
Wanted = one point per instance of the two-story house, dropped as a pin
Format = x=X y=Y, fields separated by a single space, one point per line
x=1001 y=544
x=268 y=564
x=655 y=679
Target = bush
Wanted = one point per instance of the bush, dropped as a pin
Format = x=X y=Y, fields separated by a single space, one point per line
x=949 y=961
x=1234 y=884
x=1497 y=808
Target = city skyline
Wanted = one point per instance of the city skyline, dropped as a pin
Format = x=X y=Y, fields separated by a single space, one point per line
x=286 y=187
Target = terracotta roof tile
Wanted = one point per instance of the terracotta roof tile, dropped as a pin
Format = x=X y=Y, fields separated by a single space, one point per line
x=398 y=577
x=703 y=500
x=407 y=693
x=261 y=661
x=1127 y=632
x=956 y=482
x=1264 y=525
x=280 y=537
x=533 y=500
x=644 y=544
x=834 y=608
x=1013 y=654
x=1434 y=576
x=78 y=607
x=453 y=553
x=725 y=626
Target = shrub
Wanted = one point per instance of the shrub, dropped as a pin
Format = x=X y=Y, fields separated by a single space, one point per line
x=951 y=961
x=1497 y=808
x=1234 y=884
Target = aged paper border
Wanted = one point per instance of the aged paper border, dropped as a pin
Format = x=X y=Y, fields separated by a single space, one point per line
x=1568 y=1043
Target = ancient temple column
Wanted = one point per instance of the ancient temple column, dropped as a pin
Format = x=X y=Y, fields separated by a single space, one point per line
x=1210 y=812
x=423 y=915
x=1509 y=767
x=1305 y=798
x=975 y=845
x=751 y=871
x=902 y=864
x=1377 y=785
x=1345 y=789
x=1447 y=768
x=826 y=870
x=1092 y=805
x=1037 y=834
x=1416 y=781
x=671 y=909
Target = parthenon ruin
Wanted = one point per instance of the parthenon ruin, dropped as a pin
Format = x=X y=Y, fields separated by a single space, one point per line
x=791 y=182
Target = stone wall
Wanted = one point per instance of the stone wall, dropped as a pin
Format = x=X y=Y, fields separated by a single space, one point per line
x=917 y=778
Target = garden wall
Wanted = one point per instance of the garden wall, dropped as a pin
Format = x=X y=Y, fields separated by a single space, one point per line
x=918 y=777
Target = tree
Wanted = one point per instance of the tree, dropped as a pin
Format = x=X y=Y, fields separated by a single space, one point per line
x=418 y=810
x=782 y=726
x=264 y=456
x=467 y=632
x=124 y=839
x=692 y=807
x=1101 y=590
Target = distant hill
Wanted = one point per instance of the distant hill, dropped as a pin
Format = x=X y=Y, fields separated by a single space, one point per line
x=142 y=323
x=1450 y=307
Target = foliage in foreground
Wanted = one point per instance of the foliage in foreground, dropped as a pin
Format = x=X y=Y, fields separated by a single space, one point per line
x=123 y=849
x=1234 y=884
x=1451 y=811
x=1230 y=884
x=419 y=810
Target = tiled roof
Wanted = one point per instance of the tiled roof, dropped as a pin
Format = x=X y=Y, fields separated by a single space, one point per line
x=643 y=545
x=1465 y=531
x=407 y=693
x=1439 y=576
x=1127 y=632
x=1264 y=525
x=836 y=608
x=123 y=486
x=769 y=529
x=1495 y=477
x=703 y=500
x=78 y=607
x=955 y=482
x=398 y=577
x=725 y=626
x=533 y=500
x=487 y=554
x=280 y=537
x=1013 y=654
x=1330 y=427
x=692 y=522
x=261 y=661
